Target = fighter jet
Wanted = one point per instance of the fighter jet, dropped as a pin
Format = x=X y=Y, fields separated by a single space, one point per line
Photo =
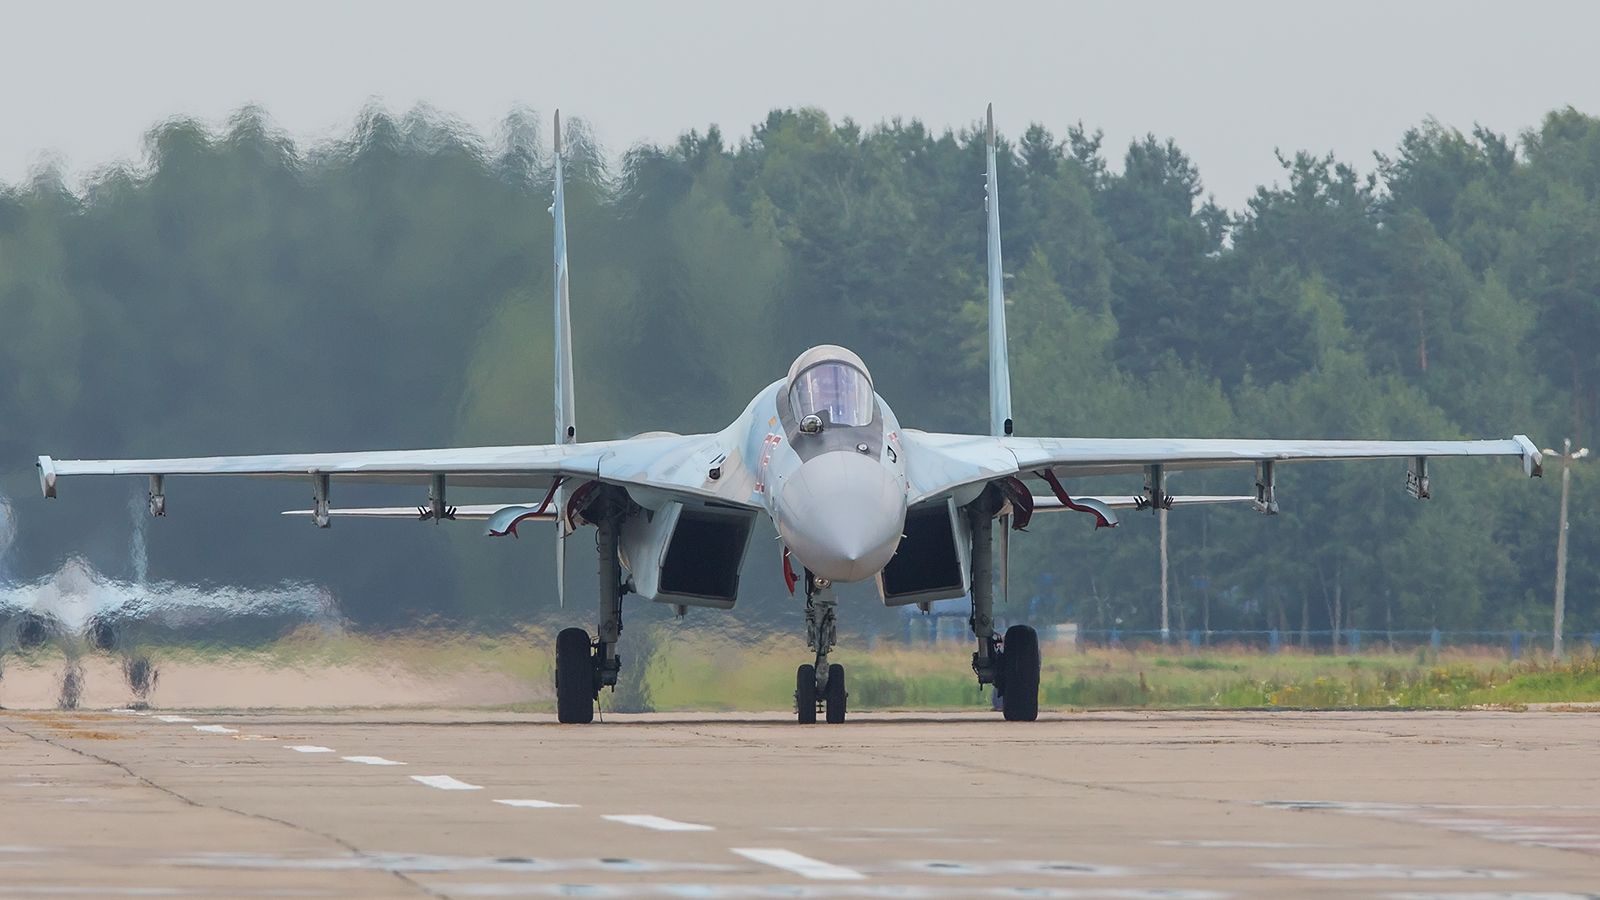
x=853 y=493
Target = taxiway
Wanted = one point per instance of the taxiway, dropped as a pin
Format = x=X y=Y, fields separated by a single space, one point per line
x=1130 y=805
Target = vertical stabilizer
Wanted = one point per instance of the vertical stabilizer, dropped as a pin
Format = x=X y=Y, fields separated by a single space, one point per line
x=566 y=413
x=566 y=423
x=999 y=363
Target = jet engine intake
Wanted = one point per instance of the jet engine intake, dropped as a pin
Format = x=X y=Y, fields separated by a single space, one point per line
x=930 y=563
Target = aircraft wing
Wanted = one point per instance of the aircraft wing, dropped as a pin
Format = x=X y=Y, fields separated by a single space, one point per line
x=673 y=464
x=939 y=463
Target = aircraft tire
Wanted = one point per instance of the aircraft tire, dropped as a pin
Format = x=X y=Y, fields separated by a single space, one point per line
x=805 y=694
x=1020 y=659
x=836 y=695
x=574 y=677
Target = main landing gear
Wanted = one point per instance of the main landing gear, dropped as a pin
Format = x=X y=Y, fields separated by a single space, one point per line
x=583 y=666
x=1012 y=663
x=820 y=686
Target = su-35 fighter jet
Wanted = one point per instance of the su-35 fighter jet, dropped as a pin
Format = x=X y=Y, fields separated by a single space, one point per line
x=853 y=494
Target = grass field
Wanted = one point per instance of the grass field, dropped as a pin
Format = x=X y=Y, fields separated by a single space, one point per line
x=703 y=672
x=689 y=669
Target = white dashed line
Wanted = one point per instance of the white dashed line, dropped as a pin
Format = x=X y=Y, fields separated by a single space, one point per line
x=657 y=823
x=372 y=760
x=216 y=729
x=308 y=748
x=538 y=804
x=174 y=719
x=446 y=783
x=1344 y=871
x=790 y=861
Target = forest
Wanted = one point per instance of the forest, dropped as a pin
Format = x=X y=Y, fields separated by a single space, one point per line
x=235 y=292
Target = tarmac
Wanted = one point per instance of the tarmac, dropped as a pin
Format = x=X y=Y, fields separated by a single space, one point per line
x=1126 y=805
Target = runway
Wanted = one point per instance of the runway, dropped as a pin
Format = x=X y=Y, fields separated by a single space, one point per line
x=1127 y=805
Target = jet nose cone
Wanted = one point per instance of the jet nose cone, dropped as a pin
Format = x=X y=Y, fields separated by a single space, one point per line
x=842 y=513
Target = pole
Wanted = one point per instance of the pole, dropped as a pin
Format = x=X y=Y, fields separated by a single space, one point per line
x=1164 y=620
x=1561 y=546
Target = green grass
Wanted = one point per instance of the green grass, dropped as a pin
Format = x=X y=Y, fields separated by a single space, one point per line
x=690 y=669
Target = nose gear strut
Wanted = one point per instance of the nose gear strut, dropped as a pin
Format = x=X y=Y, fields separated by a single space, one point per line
x=820 y=686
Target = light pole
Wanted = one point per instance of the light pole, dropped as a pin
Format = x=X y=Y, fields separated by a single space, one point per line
x=1164 y=631
x=1567 y=456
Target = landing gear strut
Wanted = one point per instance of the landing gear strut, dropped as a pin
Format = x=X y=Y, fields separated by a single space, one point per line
x=1012 y=664
x=820 y=685
x=584 y=667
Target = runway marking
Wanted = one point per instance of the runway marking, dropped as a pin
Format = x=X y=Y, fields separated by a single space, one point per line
x=307 y=748
x=174 y=719
x=832 y=830
x=538 y=804
x=912 y=839
x=215 y=729
x=830 y=891
x=372 y=760
x=1350 y=871
x=99 y=891
x=1058 y=868
x=426 y=863
x=1553 y=832
x=446 y=783
x=1249 y=845
x=657 y=823
x=1494 y=895
x=790 y=861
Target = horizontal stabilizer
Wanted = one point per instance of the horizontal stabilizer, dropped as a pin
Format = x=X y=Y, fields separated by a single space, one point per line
x=1051 y=504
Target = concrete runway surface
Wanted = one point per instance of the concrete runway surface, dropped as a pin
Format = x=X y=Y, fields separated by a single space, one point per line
x=1129 y=805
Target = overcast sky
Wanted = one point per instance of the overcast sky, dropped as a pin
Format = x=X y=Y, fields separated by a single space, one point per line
x=1231 y=81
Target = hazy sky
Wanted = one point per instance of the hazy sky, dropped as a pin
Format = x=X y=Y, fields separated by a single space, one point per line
x=1231 y=81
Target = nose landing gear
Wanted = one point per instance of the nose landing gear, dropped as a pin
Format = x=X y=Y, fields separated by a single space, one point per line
x=820 y=686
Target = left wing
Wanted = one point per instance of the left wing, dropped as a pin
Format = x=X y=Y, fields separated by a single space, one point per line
x=938 y=464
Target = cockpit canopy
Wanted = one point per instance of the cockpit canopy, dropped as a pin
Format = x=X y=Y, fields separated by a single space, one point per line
x=831 y=383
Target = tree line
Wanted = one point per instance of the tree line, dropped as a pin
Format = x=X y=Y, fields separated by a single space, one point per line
x=238 y=293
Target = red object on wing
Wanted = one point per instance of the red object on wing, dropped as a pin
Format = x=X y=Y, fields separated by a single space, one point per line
x=1061 y=494
x=1021 y=498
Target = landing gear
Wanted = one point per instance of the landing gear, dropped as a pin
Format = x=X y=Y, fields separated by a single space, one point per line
x=820 y=681
x=1019 y=679
x=836 y=695
x=1011 y=664
x=583 y=667
x=576 y=690
x=830 y=695
x=805 y=694
x=980 y=519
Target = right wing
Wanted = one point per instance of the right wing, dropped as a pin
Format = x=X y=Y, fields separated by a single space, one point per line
x=673 y=464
